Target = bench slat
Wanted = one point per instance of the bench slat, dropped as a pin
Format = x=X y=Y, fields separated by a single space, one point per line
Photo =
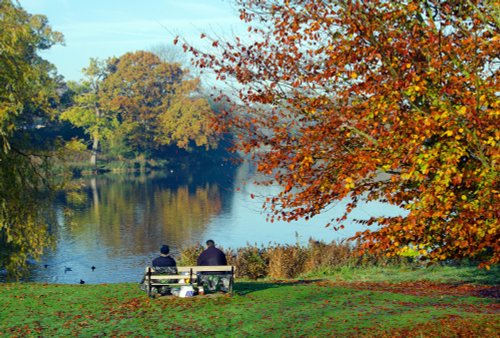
x=171 y=284
x=153 y=276
x=218 y=268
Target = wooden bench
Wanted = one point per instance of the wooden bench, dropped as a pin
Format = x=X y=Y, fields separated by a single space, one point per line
x=187 y=273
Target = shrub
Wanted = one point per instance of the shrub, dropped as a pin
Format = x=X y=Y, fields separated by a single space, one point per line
x=368 y=259
x=251 y=262
x=189 y=254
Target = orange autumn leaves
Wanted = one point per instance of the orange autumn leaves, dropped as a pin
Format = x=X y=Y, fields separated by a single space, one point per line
x=378 y=100
x=158 y=102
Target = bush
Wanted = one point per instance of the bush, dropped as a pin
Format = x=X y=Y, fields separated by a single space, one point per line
x=189 y=254
x=252 y=262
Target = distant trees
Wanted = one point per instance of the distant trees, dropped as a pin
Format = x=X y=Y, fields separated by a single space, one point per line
x=374 y=100
x=87 y=111
x=147 y=102
x=27 y=96
x=158 y=102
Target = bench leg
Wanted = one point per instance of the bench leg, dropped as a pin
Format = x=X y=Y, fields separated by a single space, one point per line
x=148 y=287
x=231 y=281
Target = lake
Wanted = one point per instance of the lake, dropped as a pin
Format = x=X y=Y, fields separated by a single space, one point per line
x=117 y=223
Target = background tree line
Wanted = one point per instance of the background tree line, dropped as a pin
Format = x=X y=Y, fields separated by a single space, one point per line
x=140 y=105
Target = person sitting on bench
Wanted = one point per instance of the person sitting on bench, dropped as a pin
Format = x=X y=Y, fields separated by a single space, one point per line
x=165 y=260
x=165 y=264
x=212 y=256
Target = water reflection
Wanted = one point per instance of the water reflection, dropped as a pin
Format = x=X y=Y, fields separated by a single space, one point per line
x=118 y=222
x=139 y=212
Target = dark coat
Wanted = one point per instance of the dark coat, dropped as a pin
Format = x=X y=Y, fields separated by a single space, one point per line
x=212 y=256
x=163 y=261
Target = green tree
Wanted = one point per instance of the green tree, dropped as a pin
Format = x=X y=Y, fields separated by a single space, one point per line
x=87 y=111
x=27 y=94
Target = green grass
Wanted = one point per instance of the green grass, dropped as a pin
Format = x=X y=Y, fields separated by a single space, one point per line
x=395 y=274
x=291 y=308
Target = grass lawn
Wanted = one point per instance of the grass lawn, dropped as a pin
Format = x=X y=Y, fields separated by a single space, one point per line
x=321 y=306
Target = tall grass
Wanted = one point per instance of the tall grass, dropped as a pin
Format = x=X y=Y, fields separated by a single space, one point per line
x=291 y=261
x=287 y=261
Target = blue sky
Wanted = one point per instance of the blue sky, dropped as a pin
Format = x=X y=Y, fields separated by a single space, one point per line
x=105 y=28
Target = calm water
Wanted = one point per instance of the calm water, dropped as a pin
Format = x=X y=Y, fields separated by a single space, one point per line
x=117 y=223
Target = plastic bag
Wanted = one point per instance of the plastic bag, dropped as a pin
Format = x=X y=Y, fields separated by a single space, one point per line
x=186 y=291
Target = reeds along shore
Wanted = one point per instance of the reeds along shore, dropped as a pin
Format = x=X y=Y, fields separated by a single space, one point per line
x=290 y=261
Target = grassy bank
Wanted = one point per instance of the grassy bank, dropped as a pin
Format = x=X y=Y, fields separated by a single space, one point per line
x=404 y=303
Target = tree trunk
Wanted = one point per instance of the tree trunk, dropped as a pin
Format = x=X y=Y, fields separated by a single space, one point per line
x=95 y=142
x=93 y=156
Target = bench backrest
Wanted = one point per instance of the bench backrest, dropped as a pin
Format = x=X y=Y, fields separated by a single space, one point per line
x=195 y=269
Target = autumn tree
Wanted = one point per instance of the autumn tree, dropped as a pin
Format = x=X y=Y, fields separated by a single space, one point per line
x=374 y=100
x=157 y=102
x=27 y=94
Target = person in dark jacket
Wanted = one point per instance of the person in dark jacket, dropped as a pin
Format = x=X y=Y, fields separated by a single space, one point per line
x=211 y=256
x=164 y=264
x=164 y=260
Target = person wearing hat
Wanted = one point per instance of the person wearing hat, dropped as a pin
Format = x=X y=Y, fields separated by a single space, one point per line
x=164 y=260
x=164 y=264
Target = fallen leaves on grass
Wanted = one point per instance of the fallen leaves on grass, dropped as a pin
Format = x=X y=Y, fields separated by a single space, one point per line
x=284 y=308
x=425 y=288
x=448 y=326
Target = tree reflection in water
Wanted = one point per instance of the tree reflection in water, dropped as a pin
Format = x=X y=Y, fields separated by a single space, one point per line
x=139 y=212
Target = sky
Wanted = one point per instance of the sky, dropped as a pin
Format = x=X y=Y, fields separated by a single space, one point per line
x=106 y=28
